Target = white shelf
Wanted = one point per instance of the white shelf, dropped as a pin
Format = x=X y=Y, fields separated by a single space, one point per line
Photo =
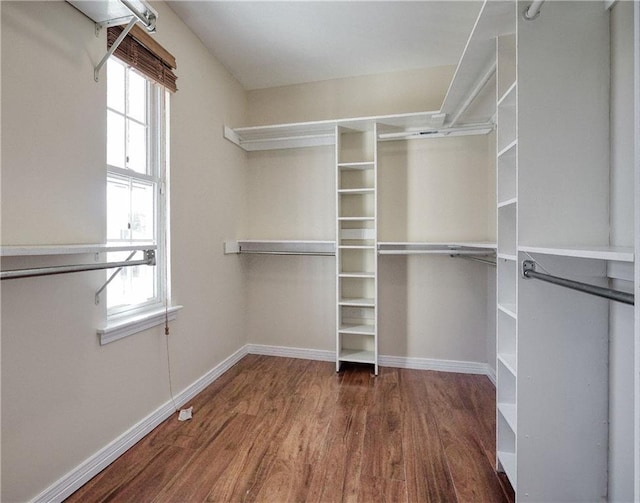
x=357 y=275
x=508 y=202
x=74 y=249
x=357 y=302
x=319 y=133
x=356 y=192
x=356 y=165
x=509 y=310
x=280 y=247
x=509 y=412
x=424 y=248
x=356 y=219
x=357 y=329
x=507 y=256
x=494 y=19
x=509 y=361
x=614 y=253
x=508 y=462
x=357 y=247
x=357 y=356
x=507 y=93
x=508 y=149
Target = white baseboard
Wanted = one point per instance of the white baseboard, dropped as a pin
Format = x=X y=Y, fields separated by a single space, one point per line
x=463 y=367
x=287 y=352
x=84 y=472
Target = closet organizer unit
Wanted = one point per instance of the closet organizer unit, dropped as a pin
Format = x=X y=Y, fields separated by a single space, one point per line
x=553 y=196
x=356 y=244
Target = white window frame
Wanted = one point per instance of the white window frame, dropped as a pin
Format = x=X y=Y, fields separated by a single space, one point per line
x=143 y=315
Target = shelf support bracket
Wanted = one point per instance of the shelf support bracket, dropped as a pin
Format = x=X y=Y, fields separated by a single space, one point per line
x=149 y=257
x=112 y=49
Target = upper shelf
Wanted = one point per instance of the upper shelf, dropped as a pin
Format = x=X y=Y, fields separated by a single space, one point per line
x=471 y=94
x=426 y=248
x=75 y=249
x=315 y=133
x=613 y=253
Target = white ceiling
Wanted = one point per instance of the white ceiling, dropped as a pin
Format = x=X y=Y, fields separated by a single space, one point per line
x=268 y=44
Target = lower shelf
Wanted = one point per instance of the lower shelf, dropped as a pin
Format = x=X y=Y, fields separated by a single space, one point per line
x=357 y=356
x=356 y=329
x=509 y=412
x=508 y=462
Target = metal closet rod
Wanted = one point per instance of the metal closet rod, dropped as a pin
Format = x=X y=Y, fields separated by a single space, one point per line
x=529 y=271
x=149 y=259
x=533 y=10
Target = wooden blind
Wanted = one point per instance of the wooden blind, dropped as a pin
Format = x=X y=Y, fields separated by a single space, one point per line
x=143 y=53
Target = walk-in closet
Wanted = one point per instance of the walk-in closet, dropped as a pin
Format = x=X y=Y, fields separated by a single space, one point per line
x=381 y=234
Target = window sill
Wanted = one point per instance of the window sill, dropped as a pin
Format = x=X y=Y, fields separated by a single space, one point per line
x=134 y=324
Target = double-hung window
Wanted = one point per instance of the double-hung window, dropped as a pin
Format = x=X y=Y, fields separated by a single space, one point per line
x=136 y=195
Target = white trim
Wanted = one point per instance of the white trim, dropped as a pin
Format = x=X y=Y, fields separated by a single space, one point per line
x=134 y=324
x=287 y=352
x=462 y=367
x=84 y=472
x=76 y=478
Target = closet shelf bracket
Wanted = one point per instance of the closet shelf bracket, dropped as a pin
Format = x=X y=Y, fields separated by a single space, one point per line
x=105 y=17
x=529 y=272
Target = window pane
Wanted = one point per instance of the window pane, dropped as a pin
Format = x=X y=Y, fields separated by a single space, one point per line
x=137 y=97
x=118 y=201
x=137 y=147
x=115 y=85
x=132 y=285
x=115 y=139
x=142 y=206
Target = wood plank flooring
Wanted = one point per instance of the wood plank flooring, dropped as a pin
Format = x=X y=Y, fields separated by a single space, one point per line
x=285 y=430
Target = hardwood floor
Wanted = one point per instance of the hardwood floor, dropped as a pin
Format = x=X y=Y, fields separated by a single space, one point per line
x=279 y=430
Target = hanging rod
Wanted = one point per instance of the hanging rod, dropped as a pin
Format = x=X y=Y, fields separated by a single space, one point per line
x=149 y=259
x=255 y=252
x=533 y=11
x=529 y=271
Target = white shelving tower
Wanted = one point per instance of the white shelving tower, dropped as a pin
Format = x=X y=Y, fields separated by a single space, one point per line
x=356 y=246
x=507 y=255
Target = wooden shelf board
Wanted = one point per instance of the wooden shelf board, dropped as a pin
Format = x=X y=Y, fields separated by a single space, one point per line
x=494 y=19
x=73 y=249
x=509 y=361
x=507 y=93
x=356 y=192
x=357 y=329
x=318 y=133
x=509 y=412
x=508 y=202
x=508 y=462
x=509 y=310
x=356 y=219
x=356 y=165
x=357 y=356
x=614 y=253
x=424 y=246
x=357 y=302
x=508 y=149
x=356 y=275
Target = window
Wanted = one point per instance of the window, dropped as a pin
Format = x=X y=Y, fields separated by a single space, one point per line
x=135 y=186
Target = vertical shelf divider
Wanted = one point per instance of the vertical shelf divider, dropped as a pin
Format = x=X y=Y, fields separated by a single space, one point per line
x=356 y=246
